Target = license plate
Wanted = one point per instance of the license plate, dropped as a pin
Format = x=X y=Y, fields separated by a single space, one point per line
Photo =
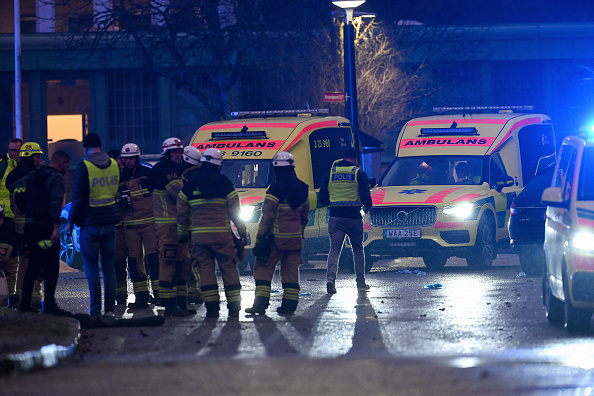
x=405 y=233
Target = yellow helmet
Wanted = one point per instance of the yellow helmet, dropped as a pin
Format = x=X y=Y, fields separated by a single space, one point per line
x=30 y=148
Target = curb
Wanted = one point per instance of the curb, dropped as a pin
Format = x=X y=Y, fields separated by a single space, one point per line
x=45 y=357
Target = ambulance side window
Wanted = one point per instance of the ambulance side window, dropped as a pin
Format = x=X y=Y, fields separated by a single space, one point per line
x=496 y=169
x=326 y=145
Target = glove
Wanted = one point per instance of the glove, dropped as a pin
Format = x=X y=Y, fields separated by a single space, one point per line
x=125 y=201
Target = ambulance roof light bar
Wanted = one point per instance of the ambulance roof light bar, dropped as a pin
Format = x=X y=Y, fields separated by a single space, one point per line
x=243 y=134
x=273 y=113
x=471 y=109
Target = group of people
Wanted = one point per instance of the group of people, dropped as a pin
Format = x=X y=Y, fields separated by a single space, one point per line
x=168 y=225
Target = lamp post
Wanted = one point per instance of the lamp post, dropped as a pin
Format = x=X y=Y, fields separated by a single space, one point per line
x=350 y=71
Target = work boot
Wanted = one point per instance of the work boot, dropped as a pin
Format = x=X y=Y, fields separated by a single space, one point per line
x=259 y=307
x=142 y=301
x=195 y=299
x=234 y=308
x=13 y=301
x=53 y=309
x=212 y=309
x=330 y=287
x=287 y=307
x=178 y=312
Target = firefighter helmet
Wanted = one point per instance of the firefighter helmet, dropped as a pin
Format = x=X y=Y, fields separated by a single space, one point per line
x=171 y=143
x=283 y=159
x=212 y=156
x=191 y=155
x=30 y=148
x=130 y=150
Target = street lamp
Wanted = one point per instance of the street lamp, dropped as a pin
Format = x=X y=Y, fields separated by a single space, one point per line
x=350 y=72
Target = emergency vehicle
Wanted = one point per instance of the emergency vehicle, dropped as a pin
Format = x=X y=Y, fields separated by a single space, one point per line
x=568 y=283
x=248 y=144
x=449 y=189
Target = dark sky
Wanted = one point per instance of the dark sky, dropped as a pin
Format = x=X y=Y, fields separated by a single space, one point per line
x=454 y=12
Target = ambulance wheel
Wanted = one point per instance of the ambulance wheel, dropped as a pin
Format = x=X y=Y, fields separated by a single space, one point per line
x=68 y=252
x=554 y=309
x=576 y=320
x=435 y=261
x=484 y=250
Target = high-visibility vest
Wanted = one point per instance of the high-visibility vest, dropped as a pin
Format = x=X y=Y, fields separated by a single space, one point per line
x=103 y=184
x=343 y=186
x=6 y=166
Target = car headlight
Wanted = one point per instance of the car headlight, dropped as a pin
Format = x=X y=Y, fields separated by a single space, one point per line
x=248 y=213
x=460 y=210
x=583 y=241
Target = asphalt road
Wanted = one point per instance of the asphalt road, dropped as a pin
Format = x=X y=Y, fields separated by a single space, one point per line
x=482 y=332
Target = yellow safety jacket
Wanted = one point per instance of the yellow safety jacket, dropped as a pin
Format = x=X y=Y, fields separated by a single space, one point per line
x=343 y=186
x=103 y=184
x=8 y=164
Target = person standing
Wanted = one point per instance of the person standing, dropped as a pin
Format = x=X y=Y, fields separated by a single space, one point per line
x=206 y=205
x=94 y=209
x=191 y=160
x=174 y=262
x=346 y=190
x=9 y=259
x=285 y=213
x=7 y=164
x=30 y=158
x=136 y=206
x=43 y=206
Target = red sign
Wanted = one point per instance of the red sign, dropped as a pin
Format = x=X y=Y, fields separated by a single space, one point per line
x=334 y=97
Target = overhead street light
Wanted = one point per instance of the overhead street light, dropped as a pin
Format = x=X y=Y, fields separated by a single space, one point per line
x=350 y=72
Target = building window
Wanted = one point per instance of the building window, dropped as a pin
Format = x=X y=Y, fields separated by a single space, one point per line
x=133 y=109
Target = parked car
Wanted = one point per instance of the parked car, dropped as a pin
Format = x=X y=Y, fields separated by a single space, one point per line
x=568 y=282
x=527 y=223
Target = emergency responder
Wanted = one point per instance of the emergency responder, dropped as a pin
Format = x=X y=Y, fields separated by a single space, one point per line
x=7 y=164
x=346 y=190
x=174 y=264
x=206 y=205
x=191 y=160
x=9 y=258
x=30 y=158
x=139 y=223
x=121 y=254
x=285 y=213
x=95 y=210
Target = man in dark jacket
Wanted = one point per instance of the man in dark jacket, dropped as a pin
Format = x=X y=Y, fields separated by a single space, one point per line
x=94 y=209
x=45 y=197
x=346 y=190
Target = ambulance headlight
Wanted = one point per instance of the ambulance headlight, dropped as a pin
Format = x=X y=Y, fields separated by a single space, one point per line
x=462 y=210
x=249 y=213
x=583 y=241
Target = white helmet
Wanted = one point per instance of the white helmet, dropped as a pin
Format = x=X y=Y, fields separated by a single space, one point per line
x=191 y=155
x=171 y=143
x=130 y=150
x=283 y=159
x=212 y=156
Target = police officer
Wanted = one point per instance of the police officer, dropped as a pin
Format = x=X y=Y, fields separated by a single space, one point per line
x=94 y=209
x=191 y=160
x=346 y=190
x=206 y=205
x=139 y=223
x=285 y=213
x=174 y=263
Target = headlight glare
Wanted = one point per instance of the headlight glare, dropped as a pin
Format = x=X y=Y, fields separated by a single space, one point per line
x=583 y=241
x=460 y=210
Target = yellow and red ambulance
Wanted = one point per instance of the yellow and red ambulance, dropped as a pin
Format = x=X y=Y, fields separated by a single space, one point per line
x=248 y=144
x=449 y=189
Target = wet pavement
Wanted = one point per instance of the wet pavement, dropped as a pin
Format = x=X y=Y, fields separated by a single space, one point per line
x=482 y=332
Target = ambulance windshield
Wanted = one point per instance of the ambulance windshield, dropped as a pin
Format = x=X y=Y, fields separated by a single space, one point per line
x=248 y=173
x=434 y=170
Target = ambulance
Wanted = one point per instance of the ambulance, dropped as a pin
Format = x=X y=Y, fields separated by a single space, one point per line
x=248 y=144
x=568 y=283
x=449 y=190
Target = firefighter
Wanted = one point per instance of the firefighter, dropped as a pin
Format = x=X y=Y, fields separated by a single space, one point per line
x=191 y=160
x=138 y=221
x=206 y=205
x=174 y=263
x=285 y=213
